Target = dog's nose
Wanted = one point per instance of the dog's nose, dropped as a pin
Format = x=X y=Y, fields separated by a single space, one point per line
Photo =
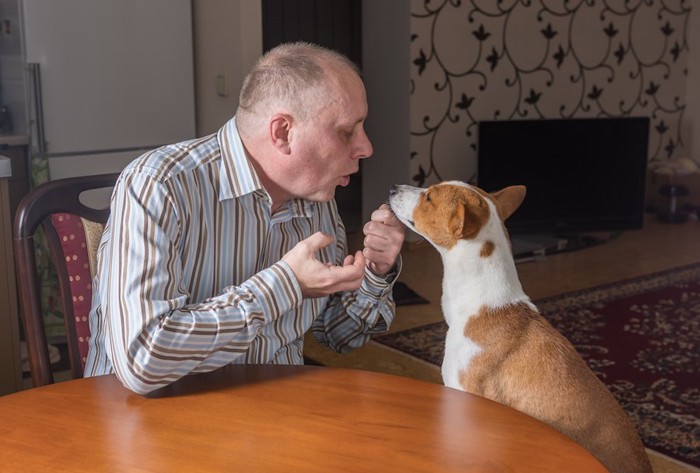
x=393 y=190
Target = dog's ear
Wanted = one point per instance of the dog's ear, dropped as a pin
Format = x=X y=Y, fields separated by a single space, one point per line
x=457 y=222
x=508 y=200
x=468 y=218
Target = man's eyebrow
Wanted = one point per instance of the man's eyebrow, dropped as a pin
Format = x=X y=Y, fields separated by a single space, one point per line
x=352 y=124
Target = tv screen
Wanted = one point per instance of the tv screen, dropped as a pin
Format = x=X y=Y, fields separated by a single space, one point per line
x=582 y=174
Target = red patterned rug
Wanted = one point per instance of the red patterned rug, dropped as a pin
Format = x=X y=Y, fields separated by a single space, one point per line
x=641 y=336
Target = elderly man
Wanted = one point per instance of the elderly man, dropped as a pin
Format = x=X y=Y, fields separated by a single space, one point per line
x=229 y=248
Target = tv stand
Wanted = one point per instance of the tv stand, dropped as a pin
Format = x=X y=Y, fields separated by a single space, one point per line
x=533 y=247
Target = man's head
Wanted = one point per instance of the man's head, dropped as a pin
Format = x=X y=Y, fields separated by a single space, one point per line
x=293 y=76
x=301 y=115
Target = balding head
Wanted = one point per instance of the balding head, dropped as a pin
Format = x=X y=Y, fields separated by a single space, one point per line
x=296 y=78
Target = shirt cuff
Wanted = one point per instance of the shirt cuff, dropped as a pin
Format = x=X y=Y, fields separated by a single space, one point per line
x=379 y=286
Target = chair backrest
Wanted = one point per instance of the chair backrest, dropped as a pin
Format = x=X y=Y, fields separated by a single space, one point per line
x=56 y=206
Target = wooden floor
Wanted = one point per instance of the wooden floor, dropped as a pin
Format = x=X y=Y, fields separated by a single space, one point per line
x=656 y=247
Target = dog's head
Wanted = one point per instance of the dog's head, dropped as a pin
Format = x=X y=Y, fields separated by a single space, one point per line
x=452 y=211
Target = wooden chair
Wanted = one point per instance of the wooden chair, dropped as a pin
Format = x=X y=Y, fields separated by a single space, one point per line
x=73 y=230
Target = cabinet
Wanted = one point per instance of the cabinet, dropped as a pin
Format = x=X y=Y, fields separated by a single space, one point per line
x=12 y=188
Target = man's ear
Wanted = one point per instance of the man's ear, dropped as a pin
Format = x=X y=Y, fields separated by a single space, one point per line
x=280 y=131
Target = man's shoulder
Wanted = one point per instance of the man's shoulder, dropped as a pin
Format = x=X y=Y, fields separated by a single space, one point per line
x=169 y=161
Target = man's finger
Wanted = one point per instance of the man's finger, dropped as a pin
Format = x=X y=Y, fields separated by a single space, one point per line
x=385 y=215
x=318 y=240
x=360 y=260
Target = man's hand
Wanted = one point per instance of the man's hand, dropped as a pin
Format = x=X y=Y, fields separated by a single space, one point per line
x=384 y=235
x=318 y=279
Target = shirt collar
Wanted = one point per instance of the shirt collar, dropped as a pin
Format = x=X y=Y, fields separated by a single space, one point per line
x=237 y=175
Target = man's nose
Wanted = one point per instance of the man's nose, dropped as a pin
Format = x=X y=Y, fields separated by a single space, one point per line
x=365 y=149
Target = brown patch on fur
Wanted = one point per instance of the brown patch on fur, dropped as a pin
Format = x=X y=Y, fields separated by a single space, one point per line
x=487 y=249
x=527 y=364
x=447 y=213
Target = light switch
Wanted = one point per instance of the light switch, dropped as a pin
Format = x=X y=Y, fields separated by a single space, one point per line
x=221 y=90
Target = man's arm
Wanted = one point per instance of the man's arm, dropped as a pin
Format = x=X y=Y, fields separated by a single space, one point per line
x=153 y=336
x=352 y=317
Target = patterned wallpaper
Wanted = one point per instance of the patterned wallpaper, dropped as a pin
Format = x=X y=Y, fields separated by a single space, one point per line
x=522 y=59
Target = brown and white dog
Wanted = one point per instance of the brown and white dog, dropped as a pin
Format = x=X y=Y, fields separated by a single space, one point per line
x=498 y=346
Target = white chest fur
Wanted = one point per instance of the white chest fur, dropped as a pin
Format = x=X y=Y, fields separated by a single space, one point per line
x=472 y=283
x=459 y=351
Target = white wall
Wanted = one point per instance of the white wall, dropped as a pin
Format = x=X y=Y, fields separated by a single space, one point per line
x=227 y=40
x=386 y=60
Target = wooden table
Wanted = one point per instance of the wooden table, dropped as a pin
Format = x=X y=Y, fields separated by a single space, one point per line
x=256 y=418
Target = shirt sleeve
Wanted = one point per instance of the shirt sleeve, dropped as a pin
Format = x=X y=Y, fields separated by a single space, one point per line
x=352 y=317
x=152 y=335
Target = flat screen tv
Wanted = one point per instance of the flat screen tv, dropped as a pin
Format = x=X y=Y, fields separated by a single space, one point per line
x=582 y=174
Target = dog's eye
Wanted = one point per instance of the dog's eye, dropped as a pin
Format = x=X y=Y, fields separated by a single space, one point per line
x=427 y=197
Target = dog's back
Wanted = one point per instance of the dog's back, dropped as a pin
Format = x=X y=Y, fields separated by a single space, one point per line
x=530 y=366
x=498 y=345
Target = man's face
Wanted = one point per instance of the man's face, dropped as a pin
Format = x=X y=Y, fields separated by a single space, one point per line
x=329 y=147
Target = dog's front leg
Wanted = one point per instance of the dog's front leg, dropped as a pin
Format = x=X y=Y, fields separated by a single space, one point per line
x=459 y=352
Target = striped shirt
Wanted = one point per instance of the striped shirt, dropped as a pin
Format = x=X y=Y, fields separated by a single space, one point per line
x=190 y=276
